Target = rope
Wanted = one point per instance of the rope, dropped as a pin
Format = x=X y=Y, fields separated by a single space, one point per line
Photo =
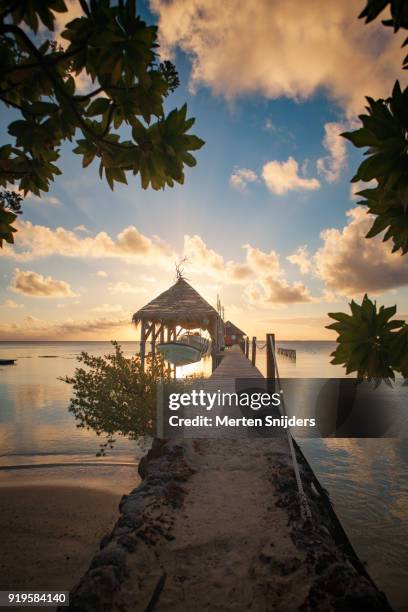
x=304 y=504
x=261 y=348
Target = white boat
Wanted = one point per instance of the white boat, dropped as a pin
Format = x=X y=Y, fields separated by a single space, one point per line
x=179 y=353
x=197 y=341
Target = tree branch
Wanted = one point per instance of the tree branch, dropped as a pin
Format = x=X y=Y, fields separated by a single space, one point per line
x=17 y=106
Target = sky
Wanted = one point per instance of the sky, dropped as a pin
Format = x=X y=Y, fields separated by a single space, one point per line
x=267 y=219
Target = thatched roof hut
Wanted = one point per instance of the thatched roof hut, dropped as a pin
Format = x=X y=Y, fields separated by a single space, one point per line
x=231 y=329
x=233 y=335
x=180 y=306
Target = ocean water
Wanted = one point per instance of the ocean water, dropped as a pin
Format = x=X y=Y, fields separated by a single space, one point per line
x=366 y=478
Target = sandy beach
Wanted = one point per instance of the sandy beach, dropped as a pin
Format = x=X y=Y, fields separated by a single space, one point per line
x=52 y=520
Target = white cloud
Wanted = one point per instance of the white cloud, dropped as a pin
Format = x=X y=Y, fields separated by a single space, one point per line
x=331 y=165
x=269 y=282
x=44 y=199
x=261 y=269
x=12 y=304
x=359 y=186
x=351 y=264
x=282 y=177
x=101 y=273
x=36 y=285
x=124 y=287
x=200 y=257
x=81 y=228
x=33 y=328
x=240 y=178
x=145 y=278
x=108 y=308
x=301 y=258
x=35 y=241
x=292 y=49
x=279 y=291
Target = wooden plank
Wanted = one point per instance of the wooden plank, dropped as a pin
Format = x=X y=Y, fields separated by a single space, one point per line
x=235 y=365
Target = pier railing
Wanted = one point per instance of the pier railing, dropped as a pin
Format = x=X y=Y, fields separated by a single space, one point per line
x=304 y=504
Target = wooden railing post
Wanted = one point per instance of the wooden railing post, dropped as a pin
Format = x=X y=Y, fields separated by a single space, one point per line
x=153 y=342
x=247 y=347
x=253 y=350
x=142 y=343
x=270 y=357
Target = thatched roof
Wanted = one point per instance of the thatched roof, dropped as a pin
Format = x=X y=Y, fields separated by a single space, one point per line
x=231 y=329
x=179 y=305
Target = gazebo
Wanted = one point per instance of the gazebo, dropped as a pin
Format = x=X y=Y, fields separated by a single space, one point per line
x=180 y=307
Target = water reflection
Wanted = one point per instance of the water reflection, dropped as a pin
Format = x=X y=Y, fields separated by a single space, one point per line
x=34 y=417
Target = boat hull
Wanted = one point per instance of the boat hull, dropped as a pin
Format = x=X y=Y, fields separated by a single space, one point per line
x=198 y=342
x=179 y=353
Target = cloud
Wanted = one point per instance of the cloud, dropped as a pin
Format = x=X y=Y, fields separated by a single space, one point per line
x=36 y=285
x=33 y=328
x=279 y=291
x=359 y=186
x=124 y=287
x=12 y=304
x=282 y=177
x=260 y=268
x=101 y=273
x=81 y=228
x=35 y=241
x=301 y=258
x=271 y=286
x=331 y=165
x=200 y=257
x=351 y=264
x=240 y=178
x=44 y=199
x=292 y=49
x=269 y=126
x=108 y=308
x=147 y=279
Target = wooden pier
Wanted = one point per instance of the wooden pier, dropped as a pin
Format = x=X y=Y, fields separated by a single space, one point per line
x=235 y=364
x=219 y=523
x=291 y=353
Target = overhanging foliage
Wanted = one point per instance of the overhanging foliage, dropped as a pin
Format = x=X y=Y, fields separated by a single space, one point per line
x=116 y=51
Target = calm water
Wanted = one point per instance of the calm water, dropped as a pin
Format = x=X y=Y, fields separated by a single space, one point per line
x=366 y=478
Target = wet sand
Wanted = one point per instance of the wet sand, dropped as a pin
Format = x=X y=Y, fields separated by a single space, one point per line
x=49 y=534
x=52 y=520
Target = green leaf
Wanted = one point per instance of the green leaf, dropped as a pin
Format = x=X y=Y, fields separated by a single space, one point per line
x=98 y=107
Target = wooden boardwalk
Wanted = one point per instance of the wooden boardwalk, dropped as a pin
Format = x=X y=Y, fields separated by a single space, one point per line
x=234 y=375
x=235 y=365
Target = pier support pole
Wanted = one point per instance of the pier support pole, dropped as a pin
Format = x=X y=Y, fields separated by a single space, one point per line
x=153 y=342
x=253 y=360
x=247 y=347
x=142 y=343
x=270 y=357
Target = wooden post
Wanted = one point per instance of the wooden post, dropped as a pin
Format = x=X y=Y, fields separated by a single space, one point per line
x=168 y=340
x=161 y=340
x=247 y=347
x=270 y=357
x=153 y=342
x=142 y=343
x=253 y=350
